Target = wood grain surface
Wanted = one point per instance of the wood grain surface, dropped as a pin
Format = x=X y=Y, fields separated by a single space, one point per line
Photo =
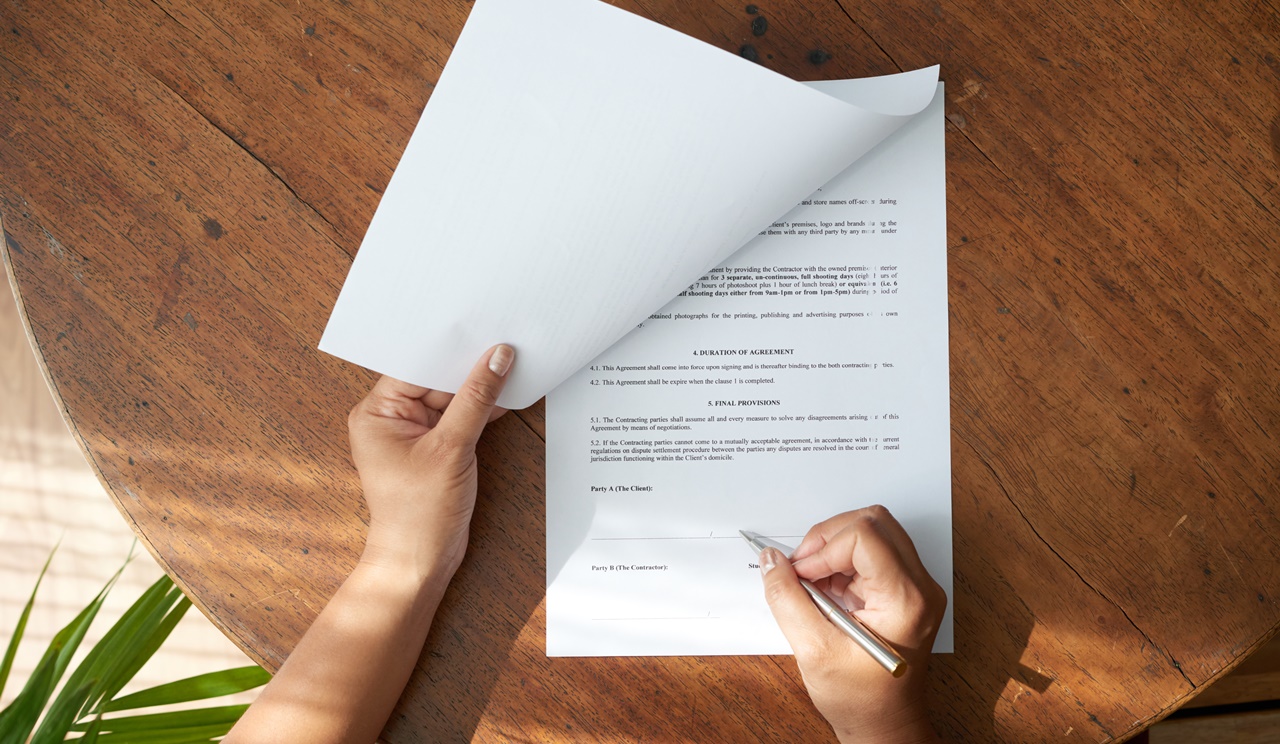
x=183 y=186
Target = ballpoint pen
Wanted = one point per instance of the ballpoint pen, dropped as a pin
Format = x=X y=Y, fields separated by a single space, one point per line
x=849 y=624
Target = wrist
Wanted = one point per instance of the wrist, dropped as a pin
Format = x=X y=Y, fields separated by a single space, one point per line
x=408 y=563
x=925 y=736
x=913 y=730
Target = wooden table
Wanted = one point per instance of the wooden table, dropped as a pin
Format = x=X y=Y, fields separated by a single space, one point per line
x=183 y=188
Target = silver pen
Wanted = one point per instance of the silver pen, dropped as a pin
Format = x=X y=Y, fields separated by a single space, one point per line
x=849 y=624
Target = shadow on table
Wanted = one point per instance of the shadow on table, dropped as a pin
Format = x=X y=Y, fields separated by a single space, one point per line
x=966 y=687
x=490 y=600
x=994 y=568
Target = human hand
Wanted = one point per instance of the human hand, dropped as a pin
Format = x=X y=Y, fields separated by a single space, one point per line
x=865 y=560
x=416 y=452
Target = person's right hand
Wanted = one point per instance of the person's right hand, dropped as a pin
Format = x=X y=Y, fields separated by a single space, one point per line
x=865 y=560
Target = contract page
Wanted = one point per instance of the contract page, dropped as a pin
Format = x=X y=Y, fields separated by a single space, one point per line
x=533 y=177
x=804 y=377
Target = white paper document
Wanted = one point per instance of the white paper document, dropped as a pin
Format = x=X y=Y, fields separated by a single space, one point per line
x=804 y=377
x=578 y=166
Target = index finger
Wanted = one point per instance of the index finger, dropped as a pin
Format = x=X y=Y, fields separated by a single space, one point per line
x=389 y=387
x=393 y=399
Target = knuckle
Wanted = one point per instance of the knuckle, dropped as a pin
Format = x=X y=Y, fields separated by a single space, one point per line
x=915 y=600
x=775 y=592
x=876 y=512
x=939 y=597
x=811 y=650
x=447 y=444
x=863 y=521
x=925 y=603
x=395 y=408
x=484 y=392
x=356 y=415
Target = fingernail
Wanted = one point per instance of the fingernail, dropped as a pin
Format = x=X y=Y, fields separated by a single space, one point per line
x=501 y=359
x=767 y=561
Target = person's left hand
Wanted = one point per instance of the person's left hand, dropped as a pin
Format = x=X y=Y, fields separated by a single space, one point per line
x=415 y=450
x=416 y=453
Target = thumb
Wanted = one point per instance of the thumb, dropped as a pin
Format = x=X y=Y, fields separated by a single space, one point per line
x=806 y=630
x=469 y=410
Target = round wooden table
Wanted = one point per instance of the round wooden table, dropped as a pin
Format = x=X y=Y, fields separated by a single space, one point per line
x=183 y=186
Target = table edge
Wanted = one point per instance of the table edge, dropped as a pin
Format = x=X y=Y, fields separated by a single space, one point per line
x=52 y=387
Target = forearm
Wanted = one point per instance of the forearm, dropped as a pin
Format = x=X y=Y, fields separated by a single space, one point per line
x=346 y=674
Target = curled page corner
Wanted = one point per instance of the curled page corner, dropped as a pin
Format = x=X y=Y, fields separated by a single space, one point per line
x=902 y=94
x=555 y=193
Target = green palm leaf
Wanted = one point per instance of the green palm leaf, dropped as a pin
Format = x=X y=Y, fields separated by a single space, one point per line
x=135 y=652
x=158 y=722
x=12 y=650
x=19 y=718
x=106 y=669
x=86 y=684
x=195 y=735
x=202 y=687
